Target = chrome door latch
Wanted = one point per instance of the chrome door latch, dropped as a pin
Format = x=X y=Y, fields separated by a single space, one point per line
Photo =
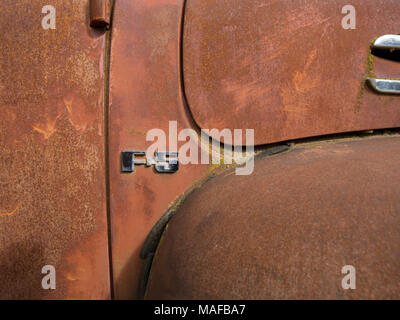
x=385 y=86
x=164 y=161
x=390 y=43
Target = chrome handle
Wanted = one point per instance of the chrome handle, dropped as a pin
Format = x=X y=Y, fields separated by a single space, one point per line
x=387 y=47
x=385 y=86
x=388 y=41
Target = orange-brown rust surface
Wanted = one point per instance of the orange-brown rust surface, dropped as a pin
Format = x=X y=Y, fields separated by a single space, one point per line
x=144 y=94
x=52 y=183
x=287 y=68
x=287 y=231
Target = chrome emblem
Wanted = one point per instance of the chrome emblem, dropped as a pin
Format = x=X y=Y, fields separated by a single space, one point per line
x=164 y=161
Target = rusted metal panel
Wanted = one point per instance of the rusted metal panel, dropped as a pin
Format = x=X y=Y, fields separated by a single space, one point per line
x=145 y=94
x=287 y=68
x=287 y=231
x=52 y=181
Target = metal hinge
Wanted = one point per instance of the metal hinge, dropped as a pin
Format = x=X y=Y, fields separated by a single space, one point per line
x=100 y=14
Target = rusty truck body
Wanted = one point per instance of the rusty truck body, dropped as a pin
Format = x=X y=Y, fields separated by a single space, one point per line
x=79 y=96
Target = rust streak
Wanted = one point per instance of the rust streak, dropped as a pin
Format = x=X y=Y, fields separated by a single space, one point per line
x=3 y=214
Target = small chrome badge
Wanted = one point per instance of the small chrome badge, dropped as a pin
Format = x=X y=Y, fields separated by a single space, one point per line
x=164 y=162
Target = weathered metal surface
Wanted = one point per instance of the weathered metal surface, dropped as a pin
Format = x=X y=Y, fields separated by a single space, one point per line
x=385 y=68
x=286 y=231
x=52 y=183
x=100 y=13
x=145 y=94
x=286 y=68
